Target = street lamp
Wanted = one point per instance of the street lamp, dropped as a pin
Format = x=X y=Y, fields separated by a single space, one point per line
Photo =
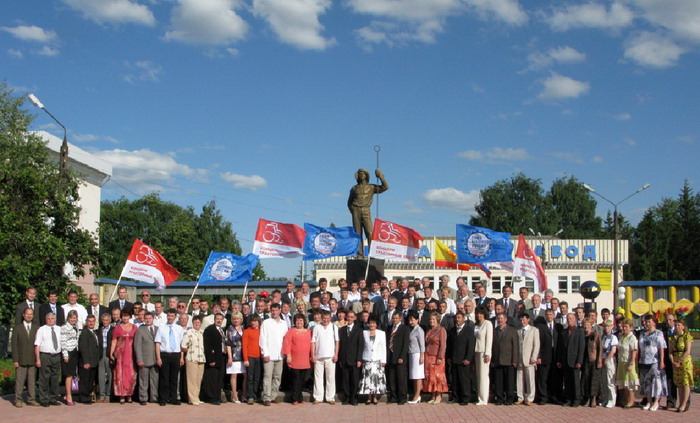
x=63 y=157
x=544 y=246
x=617 y=234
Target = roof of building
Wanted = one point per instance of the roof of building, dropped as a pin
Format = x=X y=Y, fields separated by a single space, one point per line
x=88 y=165
x=659 y=283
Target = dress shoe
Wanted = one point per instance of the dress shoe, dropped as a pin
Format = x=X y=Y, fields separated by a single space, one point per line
x=402 y=402
x=527 y=403
x=483 y=403
x=251 y=401
x=33 y=404
x=316 y=402
x=142 y=403
x=518 y=402
x=19 y=404
x=175 y=402
x=162 y=404
x=498 y=402
x=353 y=402
x=415 y=402
x=331 y=402
x=540 y=402
x=266 y=403
x=463 y=403
x=276 y=401
x=46 y=404
x=215 y=403
x=54 y=402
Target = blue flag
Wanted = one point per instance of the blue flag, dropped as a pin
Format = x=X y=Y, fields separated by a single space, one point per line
x=480 y=245
x=322 y=243
x=228 y=268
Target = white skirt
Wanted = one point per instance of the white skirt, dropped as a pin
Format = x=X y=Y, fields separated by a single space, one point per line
x=415 y=370
x=235 y=368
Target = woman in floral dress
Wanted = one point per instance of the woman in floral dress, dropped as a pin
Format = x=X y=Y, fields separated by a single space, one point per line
x=373 y=382
x=627 y=379
x=652 y=376
x=679 y=348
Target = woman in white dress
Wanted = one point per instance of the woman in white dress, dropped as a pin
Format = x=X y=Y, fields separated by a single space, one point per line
x=483 y=331
x=373 y=382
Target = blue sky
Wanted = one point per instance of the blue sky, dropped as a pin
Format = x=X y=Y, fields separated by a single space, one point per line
x=269 y=106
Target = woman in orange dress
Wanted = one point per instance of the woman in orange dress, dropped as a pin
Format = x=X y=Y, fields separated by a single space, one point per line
x=122 y=354
x=297 y=347
x=435 y=345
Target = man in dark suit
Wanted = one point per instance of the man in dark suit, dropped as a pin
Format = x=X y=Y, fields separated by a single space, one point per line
x=145 y=353
x=423 y=314
x=104 y=369
x=288 y=295
x=504 y=359
x=549 y=336
x=397 y=340
x=385 y=318
x=215 y=361
x=668 y=328
x=447 y=320
x=570 y=355
x=23 y=357
x=481 y=299
x=350 y=356
x=89 y=350
x=460 y=355
x=510 y=306
x=29 y=302
x=53 y=306
x=121 y=303
x=95 y=308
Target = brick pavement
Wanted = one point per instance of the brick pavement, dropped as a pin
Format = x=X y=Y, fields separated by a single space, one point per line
x=382 y=413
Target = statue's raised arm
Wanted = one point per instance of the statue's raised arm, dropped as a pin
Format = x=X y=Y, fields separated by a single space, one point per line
x=360 y=203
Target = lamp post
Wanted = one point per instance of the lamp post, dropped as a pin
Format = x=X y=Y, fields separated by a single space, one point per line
x=617 y=234
x=63 y=157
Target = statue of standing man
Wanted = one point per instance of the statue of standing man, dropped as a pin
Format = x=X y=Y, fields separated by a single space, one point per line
x=360 y=203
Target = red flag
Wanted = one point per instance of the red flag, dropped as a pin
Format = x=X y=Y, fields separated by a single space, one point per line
x=527 y=264
x=147 y=265
x=394 y=242
x=275 y=239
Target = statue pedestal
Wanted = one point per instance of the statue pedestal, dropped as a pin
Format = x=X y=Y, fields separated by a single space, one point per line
x=355 y=270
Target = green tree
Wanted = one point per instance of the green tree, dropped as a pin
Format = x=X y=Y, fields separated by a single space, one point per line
x=182 y=236
x=39 y=231
x=515 y=205
x=573 y=209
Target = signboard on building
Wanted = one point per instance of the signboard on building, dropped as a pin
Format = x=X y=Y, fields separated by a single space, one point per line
x=603 y=276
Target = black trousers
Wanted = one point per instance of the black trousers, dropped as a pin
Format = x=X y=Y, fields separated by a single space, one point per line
x=87 y=382
x=505 y=383
x=572 y=384
x=254 y=371
x=542 y=381
x=167 y=377
x=397 y=379
x=297 y=376
x=351 y=381
x=213 y=381
x=461 y=382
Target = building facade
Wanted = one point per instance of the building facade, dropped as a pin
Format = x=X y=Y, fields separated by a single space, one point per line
x=567 y=262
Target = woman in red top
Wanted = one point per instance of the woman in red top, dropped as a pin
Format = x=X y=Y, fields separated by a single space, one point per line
x=297 y=347
x=251 y=357
x=435 y=344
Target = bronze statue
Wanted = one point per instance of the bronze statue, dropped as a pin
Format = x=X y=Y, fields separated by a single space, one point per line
x=360 y=202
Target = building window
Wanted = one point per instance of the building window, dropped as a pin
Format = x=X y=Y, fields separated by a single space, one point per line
x=639 y=293
x=682 y=292
x=660 y=293
x=569 y=284
x=496 y=284
x=530 y=284
x=475 y=281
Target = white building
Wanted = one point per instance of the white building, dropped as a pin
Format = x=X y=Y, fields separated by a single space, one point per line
x=94 y=173
x=567 y=262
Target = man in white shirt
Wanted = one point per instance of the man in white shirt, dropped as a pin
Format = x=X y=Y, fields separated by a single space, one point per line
x=354 y=294
x=159 y=318
x=169 y=358
x=146 y=301
x=272 y=334
x=324 y=346
x=47 y=352
x=375 y=294
x=73 y=305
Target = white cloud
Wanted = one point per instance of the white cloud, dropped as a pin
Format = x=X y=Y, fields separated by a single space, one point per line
x=495 y=155
x=146 y=171
x=143 y=70
x=630 y=142
x=252 y=182
x=113 y=11
x=653 y=50
x=335 y=195
x=681 y=17
x=31 y=33
x=400 y=21
x=296 y=22
x=562 y=55
x=17 y=54
x=92 y=137
x=558 y=87
x=622 y=116
x=48 y=51
x=591 y=15
x=568 y=157
x=207 y=22
x=597 y=159
x=687 y=139
x=452 y=199
x=409 y=206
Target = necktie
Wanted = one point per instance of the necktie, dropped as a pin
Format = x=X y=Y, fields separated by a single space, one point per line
x=505 y=303
x=523 y=332
x=29 y=327
x=54 y=338
x=31 y=305
x=53 y=308
x=94 y=311
x=153 y=331
x=391 y=339
x=121 y=304
x=172 y=339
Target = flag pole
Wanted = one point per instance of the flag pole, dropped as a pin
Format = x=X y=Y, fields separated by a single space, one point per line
x=115 y=289
x=245 y=288
x=192 y=296
x=435 y=283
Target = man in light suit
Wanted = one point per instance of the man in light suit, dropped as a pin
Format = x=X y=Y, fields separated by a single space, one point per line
x=29 y=302
x=145 y=351
x=529 y=338
x=510 y=305
x=23 y=336
x=89 y=350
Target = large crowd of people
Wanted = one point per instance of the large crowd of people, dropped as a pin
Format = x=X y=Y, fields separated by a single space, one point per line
x=399 y=339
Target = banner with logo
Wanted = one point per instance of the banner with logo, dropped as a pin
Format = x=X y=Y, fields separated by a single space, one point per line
x=480 y=245
x=145 y=264
x=323 y=242
x=280 y=240
x=528 y=265
x=394 y=242
x=228 y=268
